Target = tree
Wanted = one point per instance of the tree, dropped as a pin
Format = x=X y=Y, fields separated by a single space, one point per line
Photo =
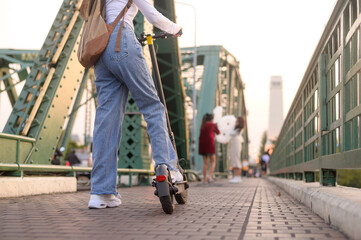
x=71 y=145
x=263 y=144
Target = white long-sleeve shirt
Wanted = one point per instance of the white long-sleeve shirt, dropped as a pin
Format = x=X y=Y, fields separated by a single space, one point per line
x=113 y=8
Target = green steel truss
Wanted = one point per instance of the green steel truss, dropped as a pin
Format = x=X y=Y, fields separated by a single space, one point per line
x=44 y=102
x=43 y=115
x=322 y=129
x=169 y=62
x=218 y=83
x=14 y=68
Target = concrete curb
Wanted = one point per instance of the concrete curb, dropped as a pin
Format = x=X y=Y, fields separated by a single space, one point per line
x=17 y=186
x=338 y=206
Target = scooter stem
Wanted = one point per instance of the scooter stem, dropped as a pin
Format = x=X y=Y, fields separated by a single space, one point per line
x=158 y=86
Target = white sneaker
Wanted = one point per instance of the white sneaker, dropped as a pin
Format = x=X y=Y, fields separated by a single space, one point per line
x=176 y=176
x=235 y=180
x=104 y=201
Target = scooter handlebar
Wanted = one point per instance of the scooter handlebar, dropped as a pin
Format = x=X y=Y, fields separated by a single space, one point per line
x=162 y=35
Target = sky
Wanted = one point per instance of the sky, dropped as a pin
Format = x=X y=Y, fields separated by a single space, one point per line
x=268 y=37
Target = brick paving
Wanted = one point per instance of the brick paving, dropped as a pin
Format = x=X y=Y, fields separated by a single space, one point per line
x=254 y=209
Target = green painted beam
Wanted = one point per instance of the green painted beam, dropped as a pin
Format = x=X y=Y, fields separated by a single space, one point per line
x=8 y=57
x=168 y=56
x=16 y=149
x=72 y=116
x=44 y=102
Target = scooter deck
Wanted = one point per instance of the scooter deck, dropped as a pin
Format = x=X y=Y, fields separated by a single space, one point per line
x=181 y=186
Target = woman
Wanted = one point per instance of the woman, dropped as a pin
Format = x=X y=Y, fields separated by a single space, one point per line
x=117 y=74
x=206 y=145
x=235 y=148
x=264 y=161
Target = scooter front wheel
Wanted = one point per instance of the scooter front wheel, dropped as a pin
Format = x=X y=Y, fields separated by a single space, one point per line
x=182 y=197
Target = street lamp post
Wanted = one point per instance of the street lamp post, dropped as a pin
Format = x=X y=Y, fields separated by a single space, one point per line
x=194 y=95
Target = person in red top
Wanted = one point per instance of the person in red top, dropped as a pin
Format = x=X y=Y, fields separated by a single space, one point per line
x=206 y=145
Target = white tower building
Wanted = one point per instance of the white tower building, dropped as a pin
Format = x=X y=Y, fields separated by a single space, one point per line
x=275 y=117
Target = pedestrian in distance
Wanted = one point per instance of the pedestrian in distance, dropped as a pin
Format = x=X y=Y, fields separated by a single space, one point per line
x=73 y=158
x=235 y=149
x=207 y=146
x=56 y=157
x=265 y=161
x=117 y=74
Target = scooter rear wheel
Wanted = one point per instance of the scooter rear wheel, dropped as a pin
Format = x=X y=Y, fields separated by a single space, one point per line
x=167 y=203
x=182 y=197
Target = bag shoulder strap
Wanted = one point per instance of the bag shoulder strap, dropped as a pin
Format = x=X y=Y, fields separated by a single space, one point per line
x=122 y=13
x=117 y=19
x=85 y=8
x=90 y=7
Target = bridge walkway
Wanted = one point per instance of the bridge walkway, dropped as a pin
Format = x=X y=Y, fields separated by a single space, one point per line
x=253 y=209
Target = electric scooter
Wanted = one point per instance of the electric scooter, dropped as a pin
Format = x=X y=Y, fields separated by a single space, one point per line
x=165 y=189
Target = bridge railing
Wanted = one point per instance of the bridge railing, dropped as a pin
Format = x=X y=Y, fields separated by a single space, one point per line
x=322 y=130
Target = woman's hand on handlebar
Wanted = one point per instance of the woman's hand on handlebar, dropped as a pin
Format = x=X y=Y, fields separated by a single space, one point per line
x=178 y=34
x=162 y=35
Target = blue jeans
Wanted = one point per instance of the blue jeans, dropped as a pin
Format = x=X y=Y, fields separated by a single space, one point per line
x=117 y=73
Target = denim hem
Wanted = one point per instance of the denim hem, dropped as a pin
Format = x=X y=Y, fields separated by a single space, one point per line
x=169 y=167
